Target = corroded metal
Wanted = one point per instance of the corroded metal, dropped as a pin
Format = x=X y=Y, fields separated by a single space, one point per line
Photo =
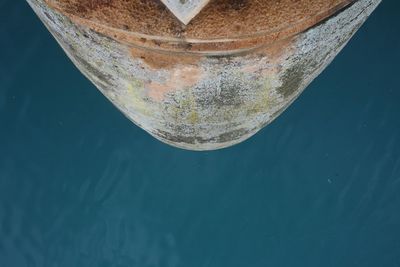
x=198 y=93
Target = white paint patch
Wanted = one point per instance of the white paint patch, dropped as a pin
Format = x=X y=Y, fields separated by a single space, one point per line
x=185 y=10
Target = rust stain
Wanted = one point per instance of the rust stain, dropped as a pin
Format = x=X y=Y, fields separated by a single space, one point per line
x=271 y=54
x=159 y=60
x=275 y=51
x=270 y=20
x=181 y=78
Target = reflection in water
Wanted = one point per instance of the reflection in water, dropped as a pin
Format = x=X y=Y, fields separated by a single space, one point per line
x=81 y=186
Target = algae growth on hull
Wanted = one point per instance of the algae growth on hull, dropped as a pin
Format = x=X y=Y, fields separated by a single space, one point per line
x=202 y=101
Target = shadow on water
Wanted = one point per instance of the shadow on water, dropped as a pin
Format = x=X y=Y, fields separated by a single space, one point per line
x=81 y=186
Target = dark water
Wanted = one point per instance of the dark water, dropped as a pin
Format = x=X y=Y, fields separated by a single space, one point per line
x=82 y=186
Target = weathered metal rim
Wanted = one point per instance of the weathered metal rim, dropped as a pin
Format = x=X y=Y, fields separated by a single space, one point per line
x=293 y=29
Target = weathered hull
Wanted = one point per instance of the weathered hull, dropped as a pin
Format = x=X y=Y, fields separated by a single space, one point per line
x=204 y=101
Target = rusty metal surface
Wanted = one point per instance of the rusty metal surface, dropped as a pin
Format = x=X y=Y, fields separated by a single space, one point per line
x=220 y=19
x=206 y=101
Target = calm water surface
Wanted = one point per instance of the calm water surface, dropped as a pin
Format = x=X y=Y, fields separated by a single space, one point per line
x=82 y=186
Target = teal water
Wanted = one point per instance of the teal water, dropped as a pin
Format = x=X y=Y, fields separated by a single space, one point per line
x=82 y=186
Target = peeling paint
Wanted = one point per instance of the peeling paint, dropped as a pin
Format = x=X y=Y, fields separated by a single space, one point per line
x=203 y=101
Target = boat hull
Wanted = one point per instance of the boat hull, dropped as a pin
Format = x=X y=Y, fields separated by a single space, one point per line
x=204 y=101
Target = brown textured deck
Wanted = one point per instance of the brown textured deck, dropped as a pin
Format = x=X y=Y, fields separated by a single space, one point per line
x=219 y=19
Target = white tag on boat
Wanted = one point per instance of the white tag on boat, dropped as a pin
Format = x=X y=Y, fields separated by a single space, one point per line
x=185 y=10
